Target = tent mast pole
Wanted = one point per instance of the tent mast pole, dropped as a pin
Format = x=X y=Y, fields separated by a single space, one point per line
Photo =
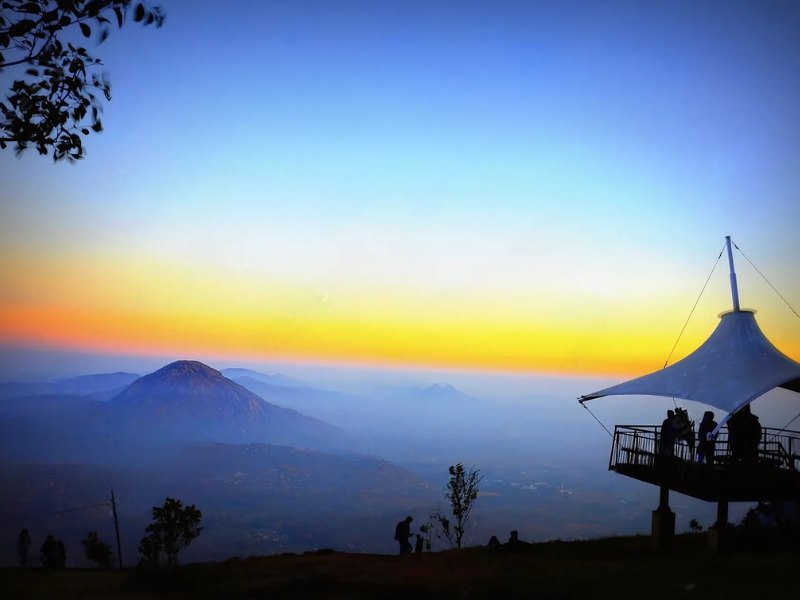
x=734 y=286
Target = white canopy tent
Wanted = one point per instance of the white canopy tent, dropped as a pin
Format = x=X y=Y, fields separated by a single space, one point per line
x=734 y=366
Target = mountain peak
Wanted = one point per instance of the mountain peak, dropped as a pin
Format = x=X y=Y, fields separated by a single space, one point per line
x=191 y=388
x=182 y=368
x=444 y=392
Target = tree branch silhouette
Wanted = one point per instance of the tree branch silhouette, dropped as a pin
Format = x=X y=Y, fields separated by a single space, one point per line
x=56 y=102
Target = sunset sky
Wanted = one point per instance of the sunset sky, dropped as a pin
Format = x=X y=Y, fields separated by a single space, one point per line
x=523 y=186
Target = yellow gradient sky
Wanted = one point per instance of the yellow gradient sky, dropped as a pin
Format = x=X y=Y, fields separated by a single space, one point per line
x=576 y=323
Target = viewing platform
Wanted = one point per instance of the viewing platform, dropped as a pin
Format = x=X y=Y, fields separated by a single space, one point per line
x=734 y=366
x=773 y=475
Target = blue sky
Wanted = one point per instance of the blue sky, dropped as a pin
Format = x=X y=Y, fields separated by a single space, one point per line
x=432 y=175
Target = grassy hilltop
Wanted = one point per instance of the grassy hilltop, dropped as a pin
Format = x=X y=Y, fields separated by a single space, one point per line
x=606 y=568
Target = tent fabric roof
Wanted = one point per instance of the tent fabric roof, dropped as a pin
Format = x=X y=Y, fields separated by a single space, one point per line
x=734 y=366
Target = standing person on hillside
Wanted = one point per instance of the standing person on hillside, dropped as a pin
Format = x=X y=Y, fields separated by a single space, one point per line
x=706 y=446
x=61 y=555
x=49 y=552
x=402 y=532
x=23 y=545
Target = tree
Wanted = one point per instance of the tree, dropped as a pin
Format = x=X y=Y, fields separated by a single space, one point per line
x=174 y=527
x=54 y=104
x=98 y=551
x=427 y=530
x=462 y=491
x=150 y=551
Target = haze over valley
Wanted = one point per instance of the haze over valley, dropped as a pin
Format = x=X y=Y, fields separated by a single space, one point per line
x=278 y=464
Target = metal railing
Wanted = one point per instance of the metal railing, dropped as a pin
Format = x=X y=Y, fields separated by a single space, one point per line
x=640 y=445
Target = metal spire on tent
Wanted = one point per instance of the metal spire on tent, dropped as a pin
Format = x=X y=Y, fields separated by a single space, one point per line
x=733 y=367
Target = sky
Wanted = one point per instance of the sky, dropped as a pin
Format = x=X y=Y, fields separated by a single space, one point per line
x=531 y=187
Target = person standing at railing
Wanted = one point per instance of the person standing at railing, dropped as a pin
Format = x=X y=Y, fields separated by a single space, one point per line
x=744 y=435
x=753 y=436
x=667 y=435
x=707 y=443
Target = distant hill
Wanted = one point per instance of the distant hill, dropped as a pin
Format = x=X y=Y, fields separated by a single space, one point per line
x=444 y=393
x=192 y=400
x=22 y=389
x=191 y=390
x=90 y=384
x=335 y=407
x=35 y=407
x=83 y=385
x=184 y=402
x=440 y=414
x=276 y=380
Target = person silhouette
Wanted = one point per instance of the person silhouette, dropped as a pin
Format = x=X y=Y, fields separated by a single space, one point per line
x=402 y=532
x=706 y=444
x=61 y=555
x=49 y=552
x=753 y=431
x=744 y=435
x=514 y=543
x=23 y=544
x=667 y=437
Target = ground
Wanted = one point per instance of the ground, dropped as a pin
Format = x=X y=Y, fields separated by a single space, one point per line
x=613 y=567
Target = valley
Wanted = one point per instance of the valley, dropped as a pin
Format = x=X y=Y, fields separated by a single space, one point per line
x=271 y=474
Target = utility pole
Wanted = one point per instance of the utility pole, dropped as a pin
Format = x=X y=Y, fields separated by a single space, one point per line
x=116 y=527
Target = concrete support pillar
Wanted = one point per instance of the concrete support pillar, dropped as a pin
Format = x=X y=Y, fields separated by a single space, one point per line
x=717 y=535
x=663 y=524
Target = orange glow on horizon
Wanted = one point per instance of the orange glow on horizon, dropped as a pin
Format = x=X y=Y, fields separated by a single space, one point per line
x=120 y=304
x=492 y=346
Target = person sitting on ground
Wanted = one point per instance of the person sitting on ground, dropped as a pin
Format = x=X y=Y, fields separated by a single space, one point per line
x=514 y=543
